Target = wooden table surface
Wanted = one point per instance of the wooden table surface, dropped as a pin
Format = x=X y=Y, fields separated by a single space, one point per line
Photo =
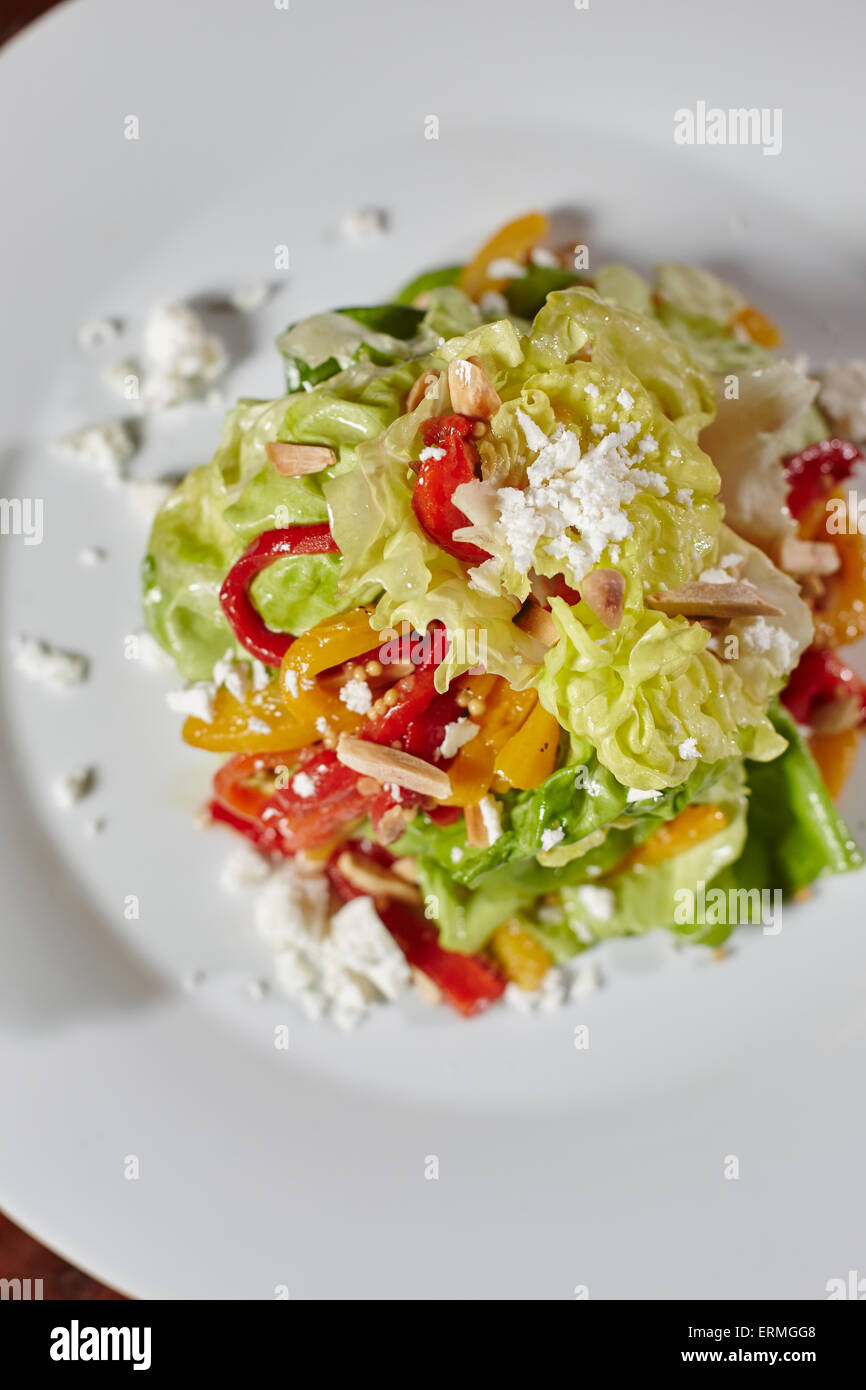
x=21 y=1257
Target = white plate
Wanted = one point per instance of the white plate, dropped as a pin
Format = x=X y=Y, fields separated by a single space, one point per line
x=558 y=1168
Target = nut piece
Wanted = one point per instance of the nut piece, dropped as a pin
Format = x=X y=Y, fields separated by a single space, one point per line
x=419 y=387
x=375 y=879
x=406 y=868
x=393 y=765
x=702 y=600
x=539 y=623
x=471 y=392
x=477 y=832
x=430 y=992
x=294 y=459
x=807 y=557
x=835 y=716
x=604 y=592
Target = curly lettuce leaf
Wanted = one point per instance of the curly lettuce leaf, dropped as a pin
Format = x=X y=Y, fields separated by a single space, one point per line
x=639 y=695
x=209 y=520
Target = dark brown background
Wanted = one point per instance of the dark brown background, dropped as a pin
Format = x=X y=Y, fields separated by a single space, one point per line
x=21 y=1257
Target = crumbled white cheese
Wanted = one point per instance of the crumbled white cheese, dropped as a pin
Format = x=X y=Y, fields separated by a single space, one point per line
x=550 y=995
x=357 y=696
x=843 y=396
x=768 y=639
x=244 y=868
x=291 y=679
x=394 y=791
x=303 y=785
x=591 y=390
x=147 y=495
x=599 y=902
x=339 y=966
x=91 y=556
x=107 y=448
x=490 y=818
x=261 y=676
x=505 y=268
x=731 y=561
x=74 y=786
x=234 y=674
x=182 y=356
x=635 y=794
x=493 y=305
x=49 y=665
x=689 y=748
x=258 y=726
x=249 y=298
x=715 y=576
x=96 y=332
x=364 y=225
x=196 y=699
x=456 y=854
x=552 y=837
x=684 y=495
x=624 y=399
x=151 y=654
x=569 y=492
x=544 y=257
x=457 y=734
x=431 y=452
x=322 y=726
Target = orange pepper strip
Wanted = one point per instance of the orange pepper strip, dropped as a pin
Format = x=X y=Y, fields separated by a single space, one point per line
x=511 y=242
x=760 y=329
x=689 y=828
x=835 y=755
x=472 y=770
x=521 y=958
x=229 y=731
x=329 y=643
x=529 y=756
x=842 y=617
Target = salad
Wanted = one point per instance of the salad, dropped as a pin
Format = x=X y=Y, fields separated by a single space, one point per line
x=514 y=625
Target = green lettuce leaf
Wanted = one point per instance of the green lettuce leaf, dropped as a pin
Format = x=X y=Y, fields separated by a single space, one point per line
x=206 y=524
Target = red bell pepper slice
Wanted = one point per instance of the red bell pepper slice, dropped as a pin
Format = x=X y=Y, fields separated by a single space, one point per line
x=246 y=623
x=821 y=676
x=267 y=840
x=437 y=479
x=309 y=822
x=469 y=983
x=815 y=471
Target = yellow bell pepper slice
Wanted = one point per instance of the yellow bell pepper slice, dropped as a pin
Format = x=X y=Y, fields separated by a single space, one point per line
x=522 y=959
x=471 y=772
x=689 y=828
x=835 y=755
x=329 y=643
x=511 y=242
x=229 y=730
x=760 y=329
x=529 y=756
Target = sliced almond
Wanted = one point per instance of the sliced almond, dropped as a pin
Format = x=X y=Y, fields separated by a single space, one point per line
x=604 y=592
x=418 y=389
x=539 y=623
x=393 y=823
x=406 y=868
x=471 y=392
x=835 y=716
x=700 y=599
x=807 y=557
x=430 y=992
x=292 y=460
x=393 y=765
x=375 y=879
x=477 y=831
